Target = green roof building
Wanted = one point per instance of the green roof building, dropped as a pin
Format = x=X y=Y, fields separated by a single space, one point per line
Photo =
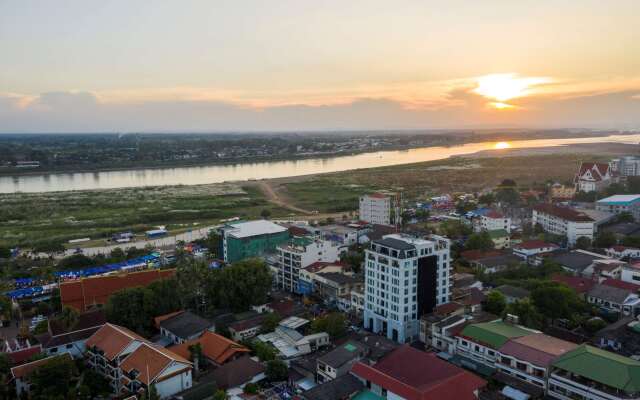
x=494 y=334
x=241 y=240
x=588 y=372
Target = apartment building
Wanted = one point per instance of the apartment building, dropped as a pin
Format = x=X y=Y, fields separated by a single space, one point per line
x=405 y=277
x=621 y=203
x=491 y=221
x=564 y=221
x=625 y=166
x=376 y=208
x=299 y=253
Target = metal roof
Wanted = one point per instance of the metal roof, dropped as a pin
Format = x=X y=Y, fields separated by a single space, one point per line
x=255 y=228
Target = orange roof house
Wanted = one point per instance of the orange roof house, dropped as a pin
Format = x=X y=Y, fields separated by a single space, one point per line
x=86 y=293
x=113 y=339
x=217 y=348
x=150 y=360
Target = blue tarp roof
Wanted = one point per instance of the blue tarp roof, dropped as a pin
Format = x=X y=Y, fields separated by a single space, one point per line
x=103 y=269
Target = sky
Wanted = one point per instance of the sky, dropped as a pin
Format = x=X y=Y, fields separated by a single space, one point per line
x=298 y=65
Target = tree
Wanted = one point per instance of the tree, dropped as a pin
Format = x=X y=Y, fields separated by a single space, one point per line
x=251 y=388
x=5 y=252
x=276 y=371
x=335 y=324
x=69 y=317
x=527 y=313
x=197 y=356
x=153 y=393
x=76 y=261
x=270 y=322
x=556 y=301
x=42 y=327
x=495 y=303
x=264 y=351
x=593 y=325
x=479 y=241
x=117 y=255
x=52 y=379
x=622 y=217
x=604 y=240
x=487 y=199
x=220 y=395
x=508 y=195
x=265 y=213
x=583 y=243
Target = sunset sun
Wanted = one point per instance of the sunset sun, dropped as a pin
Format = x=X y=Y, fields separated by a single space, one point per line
x=503 y=87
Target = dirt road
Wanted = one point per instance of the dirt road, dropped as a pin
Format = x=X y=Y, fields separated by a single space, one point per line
x=272 y=196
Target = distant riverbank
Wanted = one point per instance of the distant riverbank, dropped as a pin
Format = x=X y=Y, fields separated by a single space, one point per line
x=274 y=169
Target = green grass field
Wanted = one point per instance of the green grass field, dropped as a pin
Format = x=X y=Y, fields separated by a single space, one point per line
x=30 y=219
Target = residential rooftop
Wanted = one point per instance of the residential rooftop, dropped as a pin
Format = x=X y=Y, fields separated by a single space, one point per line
x=602 y=366
x=620 y=199
x=494 y=334
x=254 y=228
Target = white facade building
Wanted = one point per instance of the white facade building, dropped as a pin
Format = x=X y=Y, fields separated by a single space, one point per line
x=492 y=221
x=625 y=166
x=564 y=221
x=299 y=253
x=376 y=209
x=405 y=277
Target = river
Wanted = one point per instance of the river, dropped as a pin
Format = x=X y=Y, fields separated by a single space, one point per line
x=269 y=169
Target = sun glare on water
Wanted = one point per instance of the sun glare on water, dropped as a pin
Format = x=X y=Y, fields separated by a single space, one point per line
x=502 y=145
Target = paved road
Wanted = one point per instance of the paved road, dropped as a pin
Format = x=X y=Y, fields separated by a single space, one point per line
x=164 y=242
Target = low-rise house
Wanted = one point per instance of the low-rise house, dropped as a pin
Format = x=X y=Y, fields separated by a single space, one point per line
x=342 y=388
x=19 y=351
x=338 y=362
x=357 y=301
x=152 y=365
x=614 y=299
x=528 y=358
x=233 y=376
x=480 y=343
x=329 y=286
x=289 y=340
x=181 y=326
x=579 y=284
x=246 y=329
x=593 y=177
x=512 y=293
x=217 y=349
x=561 y=192
x=605 y=269
x=21 y=374
x=438 y=332
x=308 y=275
x=622 y=229
x=578 y=261
x=471 y=298
x=500 y=238
x=528 y=250
x=408 y=373
x=622 y=337
x=59 y=339
x=631 y=273
x=131 y=364
x=623 y=252
x=87 y=293
x=590 y=373
x=496 y=263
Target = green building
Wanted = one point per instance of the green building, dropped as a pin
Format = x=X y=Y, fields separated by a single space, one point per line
x=242 y=240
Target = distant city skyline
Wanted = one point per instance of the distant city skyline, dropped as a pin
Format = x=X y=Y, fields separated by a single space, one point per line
x=219 y=66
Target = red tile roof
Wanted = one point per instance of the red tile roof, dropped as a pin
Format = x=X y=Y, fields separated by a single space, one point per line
x=534 y=244
x=150 y=360
x=621 y=285
x=21 y=356
x=494 y=214
x=85 y=293
x=25 y=370
x=112 y=339
x=580 y=285
x=598 y=170
x=565 y=213
x=447 y=308
x=215 y=347
x=416 y=375
x=474 y=255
